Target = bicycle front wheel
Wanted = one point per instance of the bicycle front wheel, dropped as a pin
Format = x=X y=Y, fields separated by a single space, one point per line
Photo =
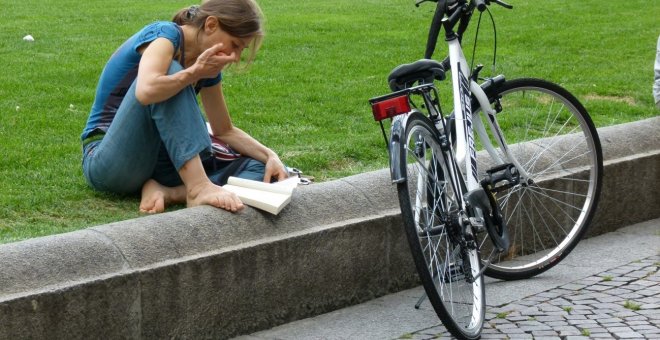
x=555 y=144
x=428 y=205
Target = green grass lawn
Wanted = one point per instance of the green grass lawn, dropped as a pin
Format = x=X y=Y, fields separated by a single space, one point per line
x=306 y=94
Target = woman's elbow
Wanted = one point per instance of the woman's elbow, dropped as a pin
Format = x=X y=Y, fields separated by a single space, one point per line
x=144 y=96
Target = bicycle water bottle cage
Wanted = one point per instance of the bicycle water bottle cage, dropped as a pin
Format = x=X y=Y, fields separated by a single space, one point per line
x=423 y=71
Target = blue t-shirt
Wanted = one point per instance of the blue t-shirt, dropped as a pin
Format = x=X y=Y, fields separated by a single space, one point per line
x=120 y=73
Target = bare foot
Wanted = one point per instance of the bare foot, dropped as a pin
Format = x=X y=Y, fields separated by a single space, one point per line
x=207 y=193
x=155 y=197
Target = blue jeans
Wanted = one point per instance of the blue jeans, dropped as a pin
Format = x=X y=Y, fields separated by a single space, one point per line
x=153 y=142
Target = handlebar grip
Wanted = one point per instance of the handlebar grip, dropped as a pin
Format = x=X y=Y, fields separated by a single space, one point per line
x=480 y=4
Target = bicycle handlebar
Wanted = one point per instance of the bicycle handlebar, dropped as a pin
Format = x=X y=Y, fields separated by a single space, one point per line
x=461 y=11
x=480 y=4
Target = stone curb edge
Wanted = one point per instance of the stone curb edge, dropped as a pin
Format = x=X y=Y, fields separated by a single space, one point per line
x=205 y=273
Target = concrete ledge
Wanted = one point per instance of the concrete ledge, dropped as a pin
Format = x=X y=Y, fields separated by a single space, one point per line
x=631 y=192
x=206 y=273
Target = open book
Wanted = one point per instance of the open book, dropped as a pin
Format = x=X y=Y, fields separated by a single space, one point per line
x=270 y=197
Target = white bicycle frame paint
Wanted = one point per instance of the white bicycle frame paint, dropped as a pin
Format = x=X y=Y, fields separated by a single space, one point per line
x=466 y=153
x=467 y=122
x=465 y=147
x=488 y=112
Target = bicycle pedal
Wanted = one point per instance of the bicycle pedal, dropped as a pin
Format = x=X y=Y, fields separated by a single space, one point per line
x=505 y=172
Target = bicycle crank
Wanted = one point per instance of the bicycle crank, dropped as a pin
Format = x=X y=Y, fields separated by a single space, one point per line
x=484 y=199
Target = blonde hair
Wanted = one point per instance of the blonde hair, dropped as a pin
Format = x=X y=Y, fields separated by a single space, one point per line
x=239 y=18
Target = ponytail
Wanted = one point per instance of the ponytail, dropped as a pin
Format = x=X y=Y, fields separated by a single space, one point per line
x=186 y=15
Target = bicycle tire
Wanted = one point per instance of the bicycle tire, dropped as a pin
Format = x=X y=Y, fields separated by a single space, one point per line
x=555 y=141
x=426 y=199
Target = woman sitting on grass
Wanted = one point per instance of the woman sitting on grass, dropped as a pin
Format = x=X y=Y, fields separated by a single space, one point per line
x=146 y=132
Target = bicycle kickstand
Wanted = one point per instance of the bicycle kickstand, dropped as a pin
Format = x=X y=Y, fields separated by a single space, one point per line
x=421 y=299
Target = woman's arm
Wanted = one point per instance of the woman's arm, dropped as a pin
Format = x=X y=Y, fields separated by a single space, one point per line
x=218 y=116
x=155 y=85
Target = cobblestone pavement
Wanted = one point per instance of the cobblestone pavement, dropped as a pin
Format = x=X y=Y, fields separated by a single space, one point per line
x=620 y=303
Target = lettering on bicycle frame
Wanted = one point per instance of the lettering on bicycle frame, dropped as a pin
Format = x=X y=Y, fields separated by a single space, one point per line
x=467 y=111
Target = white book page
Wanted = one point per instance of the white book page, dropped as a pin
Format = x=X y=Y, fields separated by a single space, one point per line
x=271 y=202
x=282 y=187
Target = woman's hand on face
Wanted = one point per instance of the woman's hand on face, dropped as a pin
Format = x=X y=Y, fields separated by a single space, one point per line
x=213 y=61
x=275 y=170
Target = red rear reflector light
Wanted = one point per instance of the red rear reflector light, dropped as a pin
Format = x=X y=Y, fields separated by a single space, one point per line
x=389 y=108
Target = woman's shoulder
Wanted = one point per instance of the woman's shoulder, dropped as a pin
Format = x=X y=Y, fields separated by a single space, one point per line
x=159 y=29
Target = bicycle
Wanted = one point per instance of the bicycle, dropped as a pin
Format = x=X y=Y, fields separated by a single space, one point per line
x=520 y=216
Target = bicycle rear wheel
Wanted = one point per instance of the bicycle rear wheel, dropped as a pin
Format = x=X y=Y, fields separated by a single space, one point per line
x=428 y=205
x=553 y=139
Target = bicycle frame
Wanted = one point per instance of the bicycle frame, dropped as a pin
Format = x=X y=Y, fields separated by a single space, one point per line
x=465 y=146
x=449 y=207
x=465 y=154
x=463 y=90
x=461 y=166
